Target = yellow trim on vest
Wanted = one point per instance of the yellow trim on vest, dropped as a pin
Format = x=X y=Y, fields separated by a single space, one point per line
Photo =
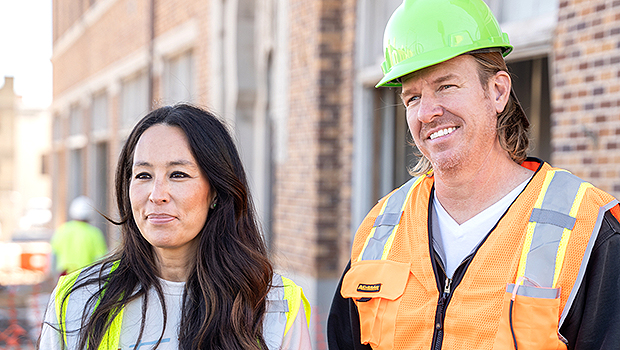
x=388 y=243
x=113 y=335
x=65 y=283
x=372 y=231
x=526 y=248
x=294 y=296
x=64 y=286
x=527 y=243
x=559 y=261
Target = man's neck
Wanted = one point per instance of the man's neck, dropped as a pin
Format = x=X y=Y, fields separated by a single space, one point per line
x=467 y=191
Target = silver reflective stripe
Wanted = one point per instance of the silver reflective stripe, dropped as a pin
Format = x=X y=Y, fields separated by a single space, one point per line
x=535 y=292
x=586 y=258
x=387 y=219
x=544 y=216
x=384 y=224
x=274 y=322
x=277 y=306
x=555 y=207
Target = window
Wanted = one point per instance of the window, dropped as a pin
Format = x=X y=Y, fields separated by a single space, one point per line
x=76 y=173
x=178 y=79
x=531 y=84
x=134 y=99
x=99 y=113
x=375 y=14
x=99 y=182
x=522 y=10
x=75 y=121
x=57 y=132
x=45 y=164
x=392 y=150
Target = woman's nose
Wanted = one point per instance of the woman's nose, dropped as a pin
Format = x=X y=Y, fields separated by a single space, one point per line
x=160 y=192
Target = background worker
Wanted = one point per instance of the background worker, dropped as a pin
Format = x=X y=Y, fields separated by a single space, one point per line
x=77 y=243
x=485 y=248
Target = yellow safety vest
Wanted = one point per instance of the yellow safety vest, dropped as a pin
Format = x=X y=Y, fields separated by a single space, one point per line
x=289 y=299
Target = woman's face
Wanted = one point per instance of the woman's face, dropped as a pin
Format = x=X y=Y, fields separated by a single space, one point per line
x=169 y=194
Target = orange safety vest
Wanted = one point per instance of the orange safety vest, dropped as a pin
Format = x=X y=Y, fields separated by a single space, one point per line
x=539 y=250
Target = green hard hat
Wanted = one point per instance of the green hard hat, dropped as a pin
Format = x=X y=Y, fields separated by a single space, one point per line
x=422 y=33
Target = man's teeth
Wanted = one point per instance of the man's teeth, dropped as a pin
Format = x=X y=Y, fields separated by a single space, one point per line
x=442 y=132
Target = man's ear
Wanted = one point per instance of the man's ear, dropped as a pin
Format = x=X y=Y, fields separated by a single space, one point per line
x=500 y=85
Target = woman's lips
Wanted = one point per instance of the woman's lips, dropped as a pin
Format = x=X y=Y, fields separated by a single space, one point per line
x=159 y=219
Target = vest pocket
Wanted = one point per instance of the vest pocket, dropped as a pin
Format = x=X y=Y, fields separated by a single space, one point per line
x=376 y=286
x=534 y=313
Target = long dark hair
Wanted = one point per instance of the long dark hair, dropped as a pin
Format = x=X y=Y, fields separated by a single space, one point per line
x=225 y=294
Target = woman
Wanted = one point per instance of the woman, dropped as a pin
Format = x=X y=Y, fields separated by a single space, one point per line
x=192 y=270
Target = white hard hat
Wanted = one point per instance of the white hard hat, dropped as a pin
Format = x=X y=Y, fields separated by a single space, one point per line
x=81 y=208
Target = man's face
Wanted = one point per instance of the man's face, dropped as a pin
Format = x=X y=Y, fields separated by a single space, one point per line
x=452 y=118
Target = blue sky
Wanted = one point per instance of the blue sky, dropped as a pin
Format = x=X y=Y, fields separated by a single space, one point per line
x=26 y=49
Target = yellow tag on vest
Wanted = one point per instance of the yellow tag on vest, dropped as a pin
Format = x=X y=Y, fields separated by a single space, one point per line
x=369 y=288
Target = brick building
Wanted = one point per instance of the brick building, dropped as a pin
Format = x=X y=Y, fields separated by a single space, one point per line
x=295 y=79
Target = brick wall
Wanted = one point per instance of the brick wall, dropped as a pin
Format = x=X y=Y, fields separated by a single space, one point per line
x=123 y=30
x=295 y=215
x=586 y=92
x=312 y=187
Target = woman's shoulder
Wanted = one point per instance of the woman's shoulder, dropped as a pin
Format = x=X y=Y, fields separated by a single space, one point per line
x=279 y=280
x=285 y=293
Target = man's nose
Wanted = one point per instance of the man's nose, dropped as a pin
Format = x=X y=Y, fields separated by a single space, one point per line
x=427 y=109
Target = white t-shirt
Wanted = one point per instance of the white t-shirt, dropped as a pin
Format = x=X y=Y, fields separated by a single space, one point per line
x=458 y=241
x=297 y=338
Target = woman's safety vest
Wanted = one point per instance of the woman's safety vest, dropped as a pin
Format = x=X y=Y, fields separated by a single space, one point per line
x=283 y=305
x=522 y=279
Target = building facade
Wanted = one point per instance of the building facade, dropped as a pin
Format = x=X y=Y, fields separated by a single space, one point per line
x=8 y=112
x=295 y=81
x=25 y=181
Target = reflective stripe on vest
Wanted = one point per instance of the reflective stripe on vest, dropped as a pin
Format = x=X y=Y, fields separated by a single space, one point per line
x=381 y=236
x=276 y=316
x=283 y=303
x=551 y=223
x=65 y=284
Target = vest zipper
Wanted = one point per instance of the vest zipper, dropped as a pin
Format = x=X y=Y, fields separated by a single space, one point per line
x=442 y=304
x=444 y=299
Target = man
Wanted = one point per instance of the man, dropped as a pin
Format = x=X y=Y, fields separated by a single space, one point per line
x=77 y=243
x=485 y=248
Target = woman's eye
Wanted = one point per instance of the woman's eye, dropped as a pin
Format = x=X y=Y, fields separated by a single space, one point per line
x=178 y=175
x=142 y=176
